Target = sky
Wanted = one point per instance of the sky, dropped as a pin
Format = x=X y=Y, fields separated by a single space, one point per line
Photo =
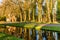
x=1 y=2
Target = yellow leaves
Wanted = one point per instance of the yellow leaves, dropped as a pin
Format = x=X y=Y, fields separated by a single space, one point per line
x=9 y=7
x=39 y=1
x=29 y=25
x=38 y=27
x=25 y=5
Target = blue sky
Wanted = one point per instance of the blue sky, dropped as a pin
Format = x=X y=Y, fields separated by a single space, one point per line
x=1 y=2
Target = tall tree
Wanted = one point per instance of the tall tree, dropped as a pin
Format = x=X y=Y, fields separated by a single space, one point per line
x=48 y=11
x=33 y=6
x=29 y=10
x=20 y=3
x=54 y=10
x=39 y=10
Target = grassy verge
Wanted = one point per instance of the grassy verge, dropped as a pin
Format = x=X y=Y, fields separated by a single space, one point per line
x=8 y=37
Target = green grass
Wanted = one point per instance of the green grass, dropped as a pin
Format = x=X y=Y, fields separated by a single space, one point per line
x=8 y=37
x=52 y=28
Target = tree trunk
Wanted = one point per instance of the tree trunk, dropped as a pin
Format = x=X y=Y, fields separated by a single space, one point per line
x=40 y=11
x=29 y=15
x=24 y=16
x=48 y=12
x=20 y=17
x=54 y=10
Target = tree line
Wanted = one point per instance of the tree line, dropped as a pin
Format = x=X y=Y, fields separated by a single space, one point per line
x=43 y=11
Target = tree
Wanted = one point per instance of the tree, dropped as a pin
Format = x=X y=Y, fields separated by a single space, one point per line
x=54 y=12
x=39 y=10
x=33 y=10
x=48 y=11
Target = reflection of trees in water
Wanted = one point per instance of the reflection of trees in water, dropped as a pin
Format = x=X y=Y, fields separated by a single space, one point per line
x=27 y=12
x=30 y=34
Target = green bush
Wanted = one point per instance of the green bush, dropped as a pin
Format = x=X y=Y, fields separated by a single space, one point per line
x=3 y=18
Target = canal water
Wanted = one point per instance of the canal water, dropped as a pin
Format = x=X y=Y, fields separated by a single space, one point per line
x=36 y=35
